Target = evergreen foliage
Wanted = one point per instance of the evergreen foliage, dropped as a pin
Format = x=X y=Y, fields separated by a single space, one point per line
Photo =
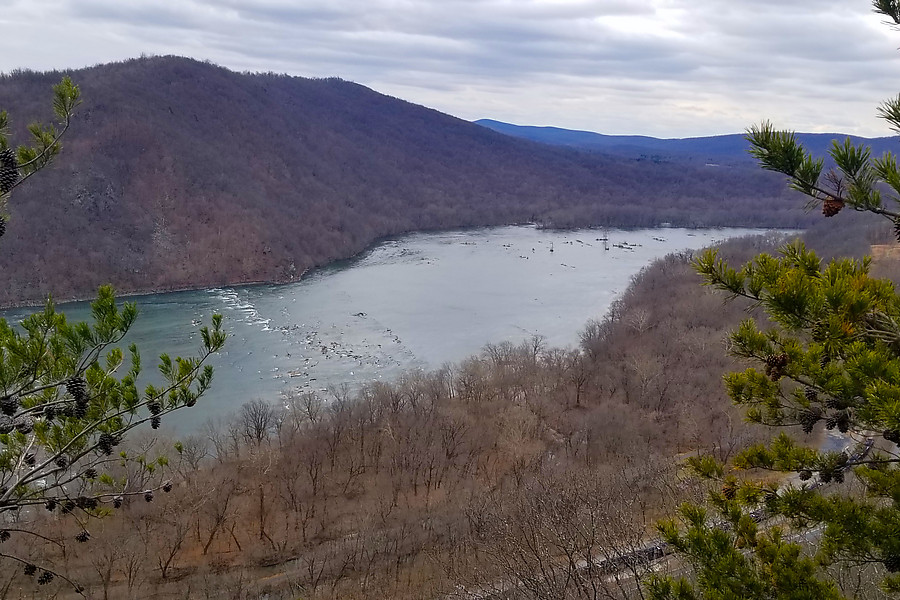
x=828 y=358
x=17 y=165
x=69 y=393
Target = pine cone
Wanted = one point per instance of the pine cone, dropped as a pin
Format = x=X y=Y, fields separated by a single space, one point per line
x=45 y=578
x=777 y=360
x=892 y=563
x=805 y=475
x=29 y=569
x=8 y=158
x=50 y=505
x=105 y=443
x=86 y=503
x=8 y=178
x=30 y=459
x=24 y=424
x=90 y=473
x=811 y=394
x=4 y=535
x=9 y=405
x=843 y=421
x=148 y=496
x=82 y=536
x=775 y=365
x=167 y=487
x=154 y=422
x=155 y=407
x=833 y=403
x=77 y=388
x=6 y=424
x=891 y=435
x=809 y=418
x=79 y=410
x=117 y=502
x=61 y=462
x=832 y=206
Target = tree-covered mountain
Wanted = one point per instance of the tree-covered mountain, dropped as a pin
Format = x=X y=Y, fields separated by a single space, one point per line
x=178 y=173
x=720 y=149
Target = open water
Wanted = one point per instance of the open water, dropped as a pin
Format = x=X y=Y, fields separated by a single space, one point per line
x=414 y=302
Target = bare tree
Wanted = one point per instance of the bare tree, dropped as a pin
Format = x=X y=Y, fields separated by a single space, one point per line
x=257 y=420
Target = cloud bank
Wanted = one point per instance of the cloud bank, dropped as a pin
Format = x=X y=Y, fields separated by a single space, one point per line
x=669 y=68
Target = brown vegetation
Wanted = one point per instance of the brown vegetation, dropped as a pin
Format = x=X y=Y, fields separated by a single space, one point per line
x=519 y=469
x=182 y=174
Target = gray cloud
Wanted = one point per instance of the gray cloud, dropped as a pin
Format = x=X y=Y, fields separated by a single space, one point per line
x=657 y=67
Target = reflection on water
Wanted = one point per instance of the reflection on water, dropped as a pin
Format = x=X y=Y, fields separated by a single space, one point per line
x=413 y=302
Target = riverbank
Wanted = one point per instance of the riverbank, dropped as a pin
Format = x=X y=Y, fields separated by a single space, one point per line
x=347 y=261
x=424 y=483
x=412 y=302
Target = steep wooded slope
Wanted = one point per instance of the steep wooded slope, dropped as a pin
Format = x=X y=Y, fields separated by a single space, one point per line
x=179 y=173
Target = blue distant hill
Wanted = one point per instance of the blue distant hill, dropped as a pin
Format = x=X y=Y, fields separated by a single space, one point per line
x=714 y=149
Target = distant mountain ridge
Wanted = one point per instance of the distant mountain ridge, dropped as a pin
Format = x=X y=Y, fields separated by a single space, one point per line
x=729 y=148
x=181 y=174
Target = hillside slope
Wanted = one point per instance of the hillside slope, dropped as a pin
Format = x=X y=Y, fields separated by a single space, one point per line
x=179 y=173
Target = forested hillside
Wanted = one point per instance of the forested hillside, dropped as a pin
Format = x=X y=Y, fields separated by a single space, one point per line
x=179 y=173
x=480 y=472
x=515 y=467
x=721 y=150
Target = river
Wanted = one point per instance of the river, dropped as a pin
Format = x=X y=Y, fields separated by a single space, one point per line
x=413 y=302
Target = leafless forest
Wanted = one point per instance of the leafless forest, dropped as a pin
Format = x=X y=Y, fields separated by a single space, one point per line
x=509 y=475
x=178 y=173
x=517 y=469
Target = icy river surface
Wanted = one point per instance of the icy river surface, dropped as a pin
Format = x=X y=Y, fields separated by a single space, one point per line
x=413 y=302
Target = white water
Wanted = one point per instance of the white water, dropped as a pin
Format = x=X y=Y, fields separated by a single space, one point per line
x=413 y=302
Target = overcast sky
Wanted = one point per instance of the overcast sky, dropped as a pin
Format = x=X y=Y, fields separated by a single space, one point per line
x=667 y=68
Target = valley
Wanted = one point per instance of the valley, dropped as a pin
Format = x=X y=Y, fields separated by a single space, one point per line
x=412 y=303
x=418 y=396
x=181 y=174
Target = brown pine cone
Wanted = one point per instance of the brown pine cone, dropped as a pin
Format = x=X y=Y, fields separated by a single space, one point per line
x=832 y=206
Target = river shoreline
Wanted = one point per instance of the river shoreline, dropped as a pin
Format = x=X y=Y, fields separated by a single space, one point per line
x=338 y=262
x=409 y=302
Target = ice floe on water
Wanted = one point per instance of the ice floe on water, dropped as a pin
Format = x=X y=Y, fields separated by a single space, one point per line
x=236 y=300
x=414 y=302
